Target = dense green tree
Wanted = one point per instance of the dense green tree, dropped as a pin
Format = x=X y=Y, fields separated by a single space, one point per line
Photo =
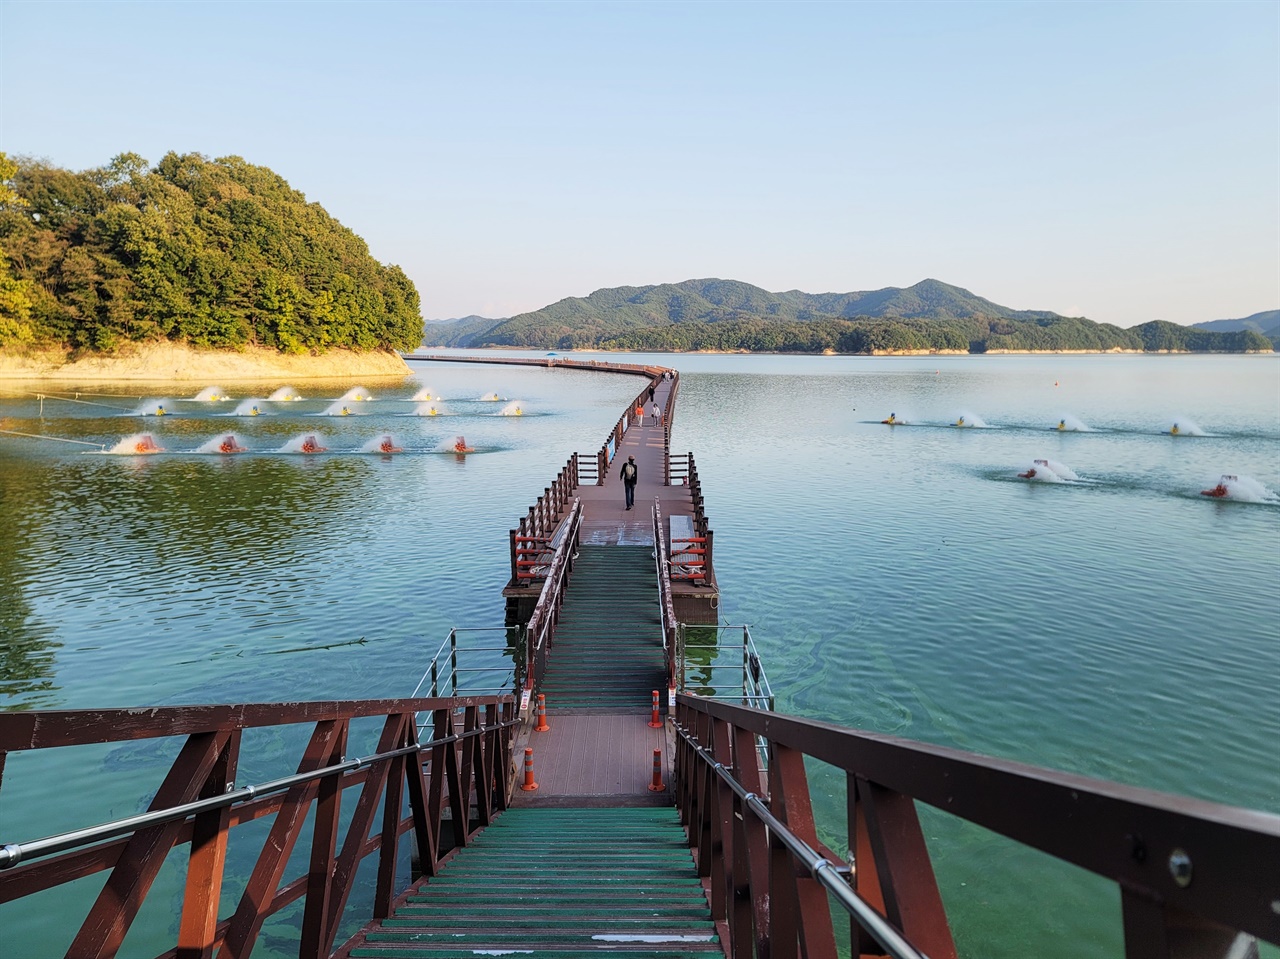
x=217 y=253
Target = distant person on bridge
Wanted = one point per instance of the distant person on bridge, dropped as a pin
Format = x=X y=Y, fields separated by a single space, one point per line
x=629 y=476
x=657 y=414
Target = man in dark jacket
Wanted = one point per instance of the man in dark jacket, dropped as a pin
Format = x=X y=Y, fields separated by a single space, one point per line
x=629 y=476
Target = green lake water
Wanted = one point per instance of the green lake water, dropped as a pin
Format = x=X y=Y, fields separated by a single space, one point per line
x=902 y=580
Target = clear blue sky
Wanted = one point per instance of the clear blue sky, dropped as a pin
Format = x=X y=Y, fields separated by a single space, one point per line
x=1120 y=161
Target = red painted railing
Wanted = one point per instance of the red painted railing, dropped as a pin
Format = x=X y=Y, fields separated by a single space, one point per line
x=1194 y=878
x=441 y=790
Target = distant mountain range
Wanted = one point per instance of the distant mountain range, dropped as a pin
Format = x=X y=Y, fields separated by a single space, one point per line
x=715 y=314
x=1267 y=323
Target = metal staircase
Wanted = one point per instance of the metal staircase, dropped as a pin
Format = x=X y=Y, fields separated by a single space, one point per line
x=608 y=651
x=558 y=882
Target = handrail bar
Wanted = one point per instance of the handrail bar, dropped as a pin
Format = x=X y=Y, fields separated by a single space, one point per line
x=13 y=853
x=449 y=641
x=546 y=610
x=666 y=606
x=1143 y=840
x=820 y=868
x=755 y=682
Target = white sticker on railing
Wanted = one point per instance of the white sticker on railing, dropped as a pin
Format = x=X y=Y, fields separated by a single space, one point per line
x=705 y=937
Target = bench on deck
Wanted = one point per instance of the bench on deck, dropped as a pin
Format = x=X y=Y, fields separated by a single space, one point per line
x=687 y=551
x=534 y=553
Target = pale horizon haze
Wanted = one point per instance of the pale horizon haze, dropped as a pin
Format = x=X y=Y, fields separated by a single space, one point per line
x=1119 y=161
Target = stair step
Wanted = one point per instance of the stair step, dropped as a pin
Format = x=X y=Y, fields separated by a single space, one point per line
x=558 y=884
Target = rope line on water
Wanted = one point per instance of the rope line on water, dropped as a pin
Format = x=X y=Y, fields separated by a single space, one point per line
x=60 y=439
x=60 y=394
x=67 y=399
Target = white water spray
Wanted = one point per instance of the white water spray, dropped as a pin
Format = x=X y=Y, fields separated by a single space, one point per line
x=970 y=421
x=424 y=395
x=306 y=443
x=1183 y=426
x=385 y=444
x=154 y=408
x=250 y=407
x=286 y=394
x=356 y=394
x=1071 y=424
x=210 y=394
x=512 y=409
x=137 y=444
x=1241 y=489
x=341 y=408
x=224 y=444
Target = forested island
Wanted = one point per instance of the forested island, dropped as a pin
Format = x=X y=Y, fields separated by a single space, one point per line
x=216 y=254
x=726 y=315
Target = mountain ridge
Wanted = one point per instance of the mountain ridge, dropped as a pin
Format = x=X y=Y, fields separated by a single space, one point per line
x=729 y=315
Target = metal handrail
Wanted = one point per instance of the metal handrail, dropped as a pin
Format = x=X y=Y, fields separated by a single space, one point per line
x=13 y=853
x=755 y=687
x=541 y=626
x=830 y=875
x=666 y=607
x=450 y=643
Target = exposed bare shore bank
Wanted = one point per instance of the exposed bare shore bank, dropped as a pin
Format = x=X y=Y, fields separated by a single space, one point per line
x=171 y=362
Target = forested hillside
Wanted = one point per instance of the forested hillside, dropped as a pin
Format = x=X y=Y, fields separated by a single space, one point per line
x=727 y=315
x=1267 y=323
x=217 y=253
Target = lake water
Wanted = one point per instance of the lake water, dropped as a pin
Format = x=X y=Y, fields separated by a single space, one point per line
x=903 y=580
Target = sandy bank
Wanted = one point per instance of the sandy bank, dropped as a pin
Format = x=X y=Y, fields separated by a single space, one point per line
x=176 y=362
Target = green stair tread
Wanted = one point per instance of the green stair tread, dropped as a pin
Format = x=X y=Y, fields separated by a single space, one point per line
x=562 y=882
x=396 y=950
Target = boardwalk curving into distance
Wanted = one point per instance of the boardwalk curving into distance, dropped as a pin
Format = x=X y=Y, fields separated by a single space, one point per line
x=608 y=656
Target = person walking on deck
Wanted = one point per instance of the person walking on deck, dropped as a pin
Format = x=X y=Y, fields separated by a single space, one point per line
x=657 y=414
x=629 y=476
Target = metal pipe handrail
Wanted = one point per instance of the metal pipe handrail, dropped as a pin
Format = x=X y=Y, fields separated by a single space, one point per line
x=450 y=641
x=666 y=606
x=540 y=628
x=755 y=683
x=829 y=874
x=13 y=853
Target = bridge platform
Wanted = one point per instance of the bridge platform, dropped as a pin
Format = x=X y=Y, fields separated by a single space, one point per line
x=607 y=522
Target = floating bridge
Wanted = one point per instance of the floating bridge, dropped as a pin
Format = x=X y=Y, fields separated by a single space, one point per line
x=590 y=801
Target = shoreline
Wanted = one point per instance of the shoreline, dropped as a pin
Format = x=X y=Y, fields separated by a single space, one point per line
x=1113 y=351
x=176 y=362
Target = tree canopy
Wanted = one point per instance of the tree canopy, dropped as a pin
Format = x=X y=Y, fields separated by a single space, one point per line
x=216 y=253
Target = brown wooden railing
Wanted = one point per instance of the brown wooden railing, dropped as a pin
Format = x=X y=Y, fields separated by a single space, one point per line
x=531 y=541
x=441 y=791
x=1190 y=873
x=692 y=557
x=628 y=419
x=668 y=419
x=666 y=608
x=541 y=628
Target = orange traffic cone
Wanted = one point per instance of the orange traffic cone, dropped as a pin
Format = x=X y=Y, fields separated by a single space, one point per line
x=656 y=785
x=542 y=726
x=529 y=784
x=655 y=720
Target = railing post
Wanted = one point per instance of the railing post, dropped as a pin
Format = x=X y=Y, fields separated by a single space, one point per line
x=316 y=932
x=208 y=858
x=453 y=661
